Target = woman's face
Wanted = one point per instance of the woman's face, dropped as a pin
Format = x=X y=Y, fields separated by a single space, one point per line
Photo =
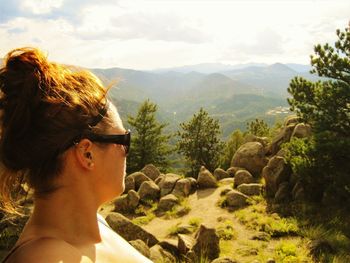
x=112 y=161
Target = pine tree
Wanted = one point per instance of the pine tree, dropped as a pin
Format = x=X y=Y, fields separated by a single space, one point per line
x=258 y=128
x=149 y=144
x=324 y=159
x=199 y=142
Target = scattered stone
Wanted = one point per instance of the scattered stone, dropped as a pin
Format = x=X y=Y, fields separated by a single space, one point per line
x=243 y=177
x=139 y=178
x=184 y=229
x=128 y=230
x=127 y=202
x=182 y=188
x=149 y=190
x=159 y=179
x=236 y=199
x=233 y=170
x=206 y=243
x=302 y=130
x=167 y=202
x=228 y=181
x=206 y=179
x=220 y=174
x=159 y=254
x=171 y=246
x=250 y=189
x=270 y=260
x=185 y=243
x=141 y=246
x=151 y=171
x=167 y=183
x=194 y=185
x=274 y=174
x=250 y=156
x=225 y=191
x=129 y=184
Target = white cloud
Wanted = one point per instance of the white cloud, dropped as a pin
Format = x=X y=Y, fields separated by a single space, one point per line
x=147 y=34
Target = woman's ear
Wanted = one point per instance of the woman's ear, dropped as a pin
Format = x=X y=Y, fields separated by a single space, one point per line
x=84 y=155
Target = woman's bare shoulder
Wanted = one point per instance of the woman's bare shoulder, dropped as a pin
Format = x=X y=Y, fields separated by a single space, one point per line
x=47 y=249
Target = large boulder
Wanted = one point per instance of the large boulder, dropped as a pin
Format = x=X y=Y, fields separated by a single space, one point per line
x=167 y=202
x=301 y=130
x=149 y=191
x=274 y=174
x=185 y=243
x=243 y=177
x=236 y=199
x=159 y=254
x=206 y=179
x=220 y=174
x=282 y=137
x=141 y=246
x=129 y=184
x=206 y=243
x=250 y=189
x=250 y=156
x=139 y=178
x=127 y=203
x=253 y=138
x=182 y=188
x=291 y=119
x=151 y=171
x=128 y=230
x=167 y=183
x=233 y=170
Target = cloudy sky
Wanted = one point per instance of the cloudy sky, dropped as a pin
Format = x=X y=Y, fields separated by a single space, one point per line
x=151 y=34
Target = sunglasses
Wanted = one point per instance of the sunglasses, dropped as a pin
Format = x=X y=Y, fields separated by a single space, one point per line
x=121 y=139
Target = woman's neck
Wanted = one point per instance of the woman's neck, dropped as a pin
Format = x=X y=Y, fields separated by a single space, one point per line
x=68 y=215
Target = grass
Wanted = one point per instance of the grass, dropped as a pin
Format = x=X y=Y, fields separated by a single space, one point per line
x=226 y=231
x=147 y=213
x=255 y=217
x=194 y=223
x=178 y=210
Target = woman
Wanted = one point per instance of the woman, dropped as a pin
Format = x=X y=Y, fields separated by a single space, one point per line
x=62 y=138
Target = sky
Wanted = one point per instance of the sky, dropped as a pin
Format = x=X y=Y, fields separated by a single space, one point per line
x=148 y=34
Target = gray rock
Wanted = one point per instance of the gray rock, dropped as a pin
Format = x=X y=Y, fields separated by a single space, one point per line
x=171 y=246
x=159 y=179
x=206 y=179
x=220 y=174
x=167 y=183
x=128 y=230
x=185 y=243
x=194 y=185
x=167 y=202
x=236 y=199
x=233 y=170
x=151 y=171
x=250 y=189
x=139 y=178
x=243 y=177
x=182 y=188
x=141 y=246
x=250 y=156
x=302 y=130
x=282 y=137
x=159 y=254
x=206 y=243
x=127 y=202
x=129 y=184
x=149 y=190
x=274 y=174
x=133 y=199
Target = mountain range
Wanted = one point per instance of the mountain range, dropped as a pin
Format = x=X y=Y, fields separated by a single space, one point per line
x=233 y=94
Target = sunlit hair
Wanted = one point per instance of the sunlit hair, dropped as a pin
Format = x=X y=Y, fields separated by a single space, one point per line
x=43 y=106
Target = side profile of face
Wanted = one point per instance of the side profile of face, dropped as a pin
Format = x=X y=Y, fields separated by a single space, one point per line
x=111 y=163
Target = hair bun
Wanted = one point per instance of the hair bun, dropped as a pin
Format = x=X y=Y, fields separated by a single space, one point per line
x=22 y=73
